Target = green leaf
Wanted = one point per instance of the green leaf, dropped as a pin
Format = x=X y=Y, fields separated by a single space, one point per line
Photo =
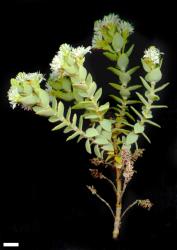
x=68 y=115
x=116 y=98
x=111 y=56
x=136 y=112
x=106 y=134
x=162 y=87
x=115 y=71
x=138 y=128
x=74 y=120
x=61 y=125
x=87 y=146
x=130 y=50
x=97 y=151
x=153 y=123
x=91 y=132
x=158 y=106
x=117 y=42
x=130 y=116
x=131 y=138
x=73 y=136
x=154 y=76
x=98 y=94
x=44 y=97
x=101 y=140
x=106 y=125
x=142 y=99
x=67 y=130
x=45 y=112
x=92 y=116
x=82 y=73
x=83 y=105
x=60 y=110
x=80 y=122
x=108 y=147
x=123 y=61
x=133 y=70
x=145 y=66
x=92 y=89
x=115 y=86
x=134 y=87
x=146 y=85
x=104 y=107
x=146 y=137
x=129 y=102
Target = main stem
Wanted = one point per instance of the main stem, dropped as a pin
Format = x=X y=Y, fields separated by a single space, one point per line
x=117 y=221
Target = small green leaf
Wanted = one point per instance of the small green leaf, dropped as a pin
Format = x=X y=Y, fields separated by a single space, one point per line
x=80 y=122
x=106 y=134
x=134 y=87
x=116 y=98
x=115 y=71
x=154 y=76
x=115 y=86
x=136 y=112
x=138 y=128
x=61 y=125
x=146 y=85
x=73 y=136
x=68 y=115
x=111 y=56
x=153 y=123
x=117 y=42
x=162 y=87
x=108 y=147
x=98 y=94
x=146 y=137
x=133 y=70
x=74 y=120
x=97 y=151
x=130 y=50
x=106 y=125
x=82 y=73
x=123 y=61
x=91 y=132
x=159 y=106
x=144 y=101
x=60 y=110
x=92 y=116
x=104 y=107
x=101 y=140
x=87 y=146
x=131 y=138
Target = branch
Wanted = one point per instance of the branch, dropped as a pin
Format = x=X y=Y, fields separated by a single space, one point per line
x=110 y=182
x=127 y=209
x=94 y=191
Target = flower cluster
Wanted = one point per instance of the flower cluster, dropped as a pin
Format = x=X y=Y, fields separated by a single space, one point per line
x=152 y=54
x=147 y=204
x=24 y=89
x=67 y=60
x=105 y=30
x=128 y=165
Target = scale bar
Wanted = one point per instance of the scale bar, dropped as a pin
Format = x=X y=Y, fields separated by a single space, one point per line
x=11 y=244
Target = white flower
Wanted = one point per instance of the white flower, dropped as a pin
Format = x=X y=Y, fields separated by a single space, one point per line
x=81 y=51
x=97 y=37
x=110 y=19
x=153 y=54
x=99 y=25
x=22 y=77
x=126 y=27
x=66 y=55
x=13 y=96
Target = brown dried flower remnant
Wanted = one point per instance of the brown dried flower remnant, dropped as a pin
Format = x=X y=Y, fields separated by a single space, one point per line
x=147 y=204
x=96 y=174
